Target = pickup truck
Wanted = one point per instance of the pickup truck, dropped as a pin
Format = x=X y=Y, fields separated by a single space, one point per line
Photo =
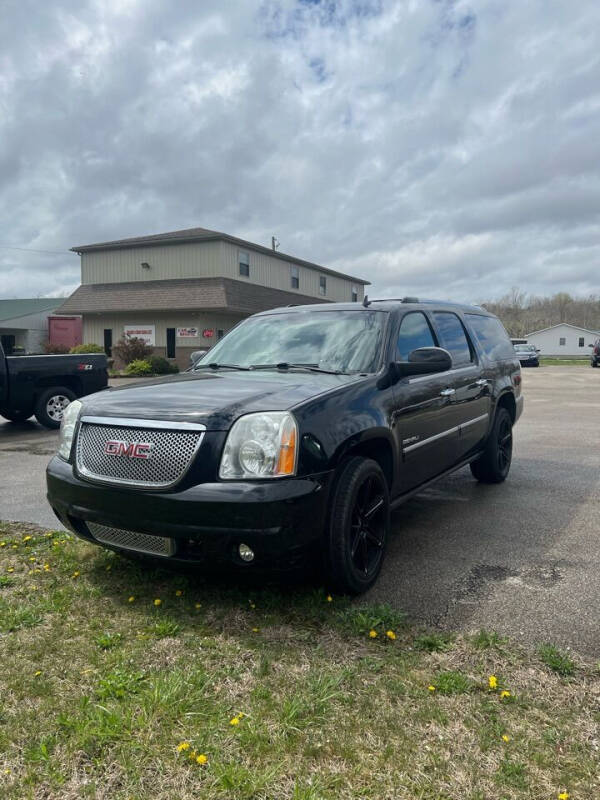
x=45 y=385
x=293 y=438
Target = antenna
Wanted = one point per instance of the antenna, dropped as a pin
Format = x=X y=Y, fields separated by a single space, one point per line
x=274 y=242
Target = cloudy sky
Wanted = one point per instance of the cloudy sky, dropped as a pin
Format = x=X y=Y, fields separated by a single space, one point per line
x=434 y=147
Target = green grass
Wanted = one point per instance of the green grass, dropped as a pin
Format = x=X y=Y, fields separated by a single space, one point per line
x=99 y=685
x=557 y=661
x=546 y=361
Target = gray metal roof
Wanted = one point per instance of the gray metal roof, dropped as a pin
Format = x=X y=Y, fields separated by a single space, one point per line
x=189 y=235
x=13 y=309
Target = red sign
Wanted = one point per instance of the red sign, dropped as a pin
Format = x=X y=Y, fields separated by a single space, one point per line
x=208 y=333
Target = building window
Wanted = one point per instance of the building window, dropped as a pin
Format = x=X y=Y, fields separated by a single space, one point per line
x=581 y=341
x=323 y=285
x=355 y=294
x=220 y=333
x=244 y=258
x=562 y=341
x=295 y=277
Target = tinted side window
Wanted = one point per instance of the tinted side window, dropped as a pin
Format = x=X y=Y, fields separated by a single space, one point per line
x=414 y=332
x=453 y=337
x=492 y=337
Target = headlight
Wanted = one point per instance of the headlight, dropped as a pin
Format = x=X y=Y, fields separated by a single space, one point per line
x=263 y=445
x=67 y=428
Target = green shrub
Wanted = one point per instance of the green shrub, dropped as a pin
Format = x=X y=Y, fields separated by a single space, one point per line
x=557 y=661
x=160 y=366
x=55 y=349
x=86 y=348
x=139 y=367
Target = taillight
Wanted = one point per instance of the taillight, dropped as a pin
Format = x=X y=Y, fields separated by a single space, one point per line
x=516 y=380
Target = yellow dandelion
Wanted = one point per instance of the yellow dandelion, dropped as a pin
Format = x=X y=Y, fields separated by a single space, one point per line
x=75 y=574
x=47 y=567
x=7 y=771
x=26 y=538
x=32 y=558
x=131 y=599
x=178 y=593
x=197 y=606
x=234 y=721
x=504 y=694
x=2 y=544
x=391 y=635
x=431 y=687
x=15 y=546
x=201 y=759
x=37 y=673
x=252 y=605
x=10 y=569
x=493 y=682
x=329 y=598
x=505 y=738
x=372 y=634
x=255 y=630
x=183 y=746
x=563 y=796
x=157 y=602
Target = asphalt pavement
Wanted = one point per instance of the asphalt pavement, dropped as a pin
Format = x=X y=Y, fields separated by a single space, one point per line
x=521 y=558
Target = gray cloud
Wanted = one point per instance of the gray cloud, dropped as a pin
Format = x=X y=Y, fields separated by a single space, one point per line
x=445 y=148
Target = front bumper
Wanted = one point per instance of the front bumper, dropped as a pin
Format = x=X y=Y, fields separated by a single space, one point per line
x=281 y=520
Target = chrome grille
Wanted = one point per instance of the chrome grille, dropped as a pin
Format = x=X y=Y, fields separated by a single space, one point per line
x=169 y=450
x=130 y=540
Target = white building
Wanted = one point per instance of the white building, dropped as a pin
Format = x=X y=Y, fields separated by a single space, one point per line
x=563 y=340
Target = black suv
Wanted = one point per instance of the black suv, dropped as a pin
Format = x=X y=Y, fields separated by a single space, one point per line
x=293 y=437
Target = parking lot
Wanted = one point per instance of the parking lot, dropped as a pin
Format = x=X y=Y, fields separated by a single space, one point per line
x=521 y=558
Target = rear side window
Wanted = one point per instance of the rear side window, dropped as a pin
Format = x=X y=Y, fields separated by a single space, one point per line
x=453 y=337
x=492 y=337
x=414 y=332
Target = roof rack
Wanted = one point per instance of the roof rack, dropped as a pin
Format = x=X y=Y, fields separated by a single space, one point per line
x=397 y=300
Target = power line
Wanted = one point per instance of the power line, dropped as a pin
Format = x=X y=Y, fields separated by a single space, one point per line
x=31 y=250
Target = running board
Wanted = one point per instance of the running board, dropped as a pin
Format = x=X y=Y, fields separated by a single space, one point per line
x=398 y=501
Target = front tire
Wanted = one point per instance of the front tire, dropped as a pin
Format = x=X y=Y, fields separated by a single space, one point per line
x=494 y=464
x=359 y=526
x=51 y=406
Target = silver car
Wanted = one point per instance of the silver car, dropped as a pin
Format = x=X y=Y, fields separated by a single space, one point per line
x=527 y=355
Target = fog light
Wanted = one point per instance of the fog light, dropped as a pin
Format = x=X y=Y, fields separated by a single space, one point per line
x=246 y=553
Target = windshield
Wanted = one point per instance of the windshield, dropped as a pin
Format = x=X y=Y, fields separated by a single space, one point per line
x=524 y=348
x=340 y=341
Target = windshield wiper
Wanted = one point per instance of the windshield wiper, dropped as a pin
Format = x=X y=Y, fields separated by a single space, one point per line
x=287 y=365
x=215 y=365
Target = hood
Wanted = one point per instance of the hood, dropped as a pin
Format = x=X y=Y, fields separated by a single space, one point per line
x=214 y=399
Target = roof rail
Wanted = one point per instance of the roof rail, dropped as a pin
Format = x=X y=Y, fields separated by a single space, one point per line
x=397 y=300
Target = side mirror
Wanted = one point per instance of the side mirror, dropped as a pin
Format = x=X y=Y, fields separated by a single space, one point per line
x=425 y=361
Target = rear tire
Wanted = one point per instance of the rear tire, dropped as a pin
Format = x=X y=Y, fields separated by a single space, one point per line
x=494 y=463
x=359 y=526
x=51 y=405
x=16 y=416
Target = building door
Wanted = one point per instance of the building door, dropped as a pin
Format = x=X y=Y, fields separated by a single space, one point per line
x=170 y=342
x=108 y=341
x=8 y=343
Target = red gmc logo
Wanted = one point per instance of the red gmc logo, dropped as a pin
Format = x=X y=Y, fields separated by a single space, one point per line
x=128 y=449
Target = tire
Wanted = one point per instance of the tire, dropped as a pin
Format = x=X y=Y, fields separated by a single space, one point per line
x=16 y=416
x=594 y=363
x=51 y=404
x=494 y=464
x=359 y=526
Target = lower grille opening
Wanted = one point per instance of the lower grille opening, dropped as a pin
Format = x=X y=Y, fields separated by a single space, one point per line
x=132 y=540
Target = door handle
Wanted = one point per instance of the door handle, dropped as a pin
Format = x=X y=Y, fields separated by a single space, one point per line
x=481 y=382
x=447 y=392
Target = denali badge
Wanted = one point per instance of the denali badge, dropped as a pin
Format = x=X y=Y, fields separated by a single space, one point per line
x=128 y=449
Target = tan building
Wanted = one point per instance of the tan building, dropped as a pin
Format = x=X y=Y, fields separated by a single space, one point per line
x=183 y=290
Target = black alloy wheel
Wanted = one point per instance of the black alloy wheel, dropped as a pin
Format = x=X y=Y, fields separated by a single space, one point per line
x=494 y=463
x=359 y=525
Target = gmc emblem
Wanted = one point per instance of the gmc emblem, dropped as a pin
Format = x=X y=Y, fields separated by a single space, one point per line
x=128 y=449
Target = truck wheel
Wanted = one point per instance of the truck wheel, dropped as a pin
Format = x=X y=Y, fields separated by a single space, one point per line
x=51 y=405
x=493 y=465
x=360 y=521
x=16 y=416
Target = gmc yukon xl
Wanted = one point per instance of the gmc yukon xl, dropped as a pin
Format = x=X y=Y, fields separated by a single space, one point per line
x=293 y=438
